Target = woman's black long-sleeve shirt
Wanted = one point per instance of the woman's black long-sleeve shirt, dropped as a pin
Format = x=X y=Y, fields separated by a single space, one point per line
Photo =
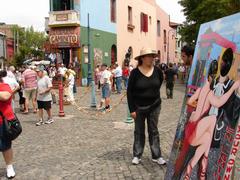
x=142 y=90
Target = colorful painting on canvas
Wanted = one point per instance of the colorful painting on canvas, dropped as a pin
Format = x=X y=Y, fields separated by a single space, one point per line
x=208 y=132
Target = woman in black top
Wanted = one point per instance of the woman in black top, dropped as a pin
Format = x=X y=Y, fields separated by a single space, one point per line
x=143 y=94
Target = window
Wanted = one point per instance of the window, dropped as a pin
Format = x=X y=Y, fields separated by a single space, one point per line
x=159 y=55
x=113 y=10
x=129 y=15
x=63 y=5
x=144 y=22
x=165 y=36
x=150 y=20
x=158 y=28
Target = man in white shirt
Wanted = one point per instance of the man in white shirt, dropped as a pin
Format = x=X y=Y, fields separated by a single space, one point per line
x=106 y=87
x=62 y=70
x=118 y=76
x=181 y=72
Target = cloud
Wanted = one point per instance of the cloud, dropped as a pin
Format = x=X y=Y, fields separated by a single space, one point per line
x=218 y=25
x=236 y=26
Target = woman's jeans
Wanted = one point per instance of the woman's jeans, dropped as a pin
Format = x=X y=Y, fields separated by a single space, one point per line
x=119 y=84
x=139 y=133
x=125 y=81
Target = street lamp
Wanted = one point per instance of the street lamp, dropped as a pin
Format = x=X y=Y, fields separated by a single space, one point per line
x=2 y=62
x=174 y=31
x=90 y=79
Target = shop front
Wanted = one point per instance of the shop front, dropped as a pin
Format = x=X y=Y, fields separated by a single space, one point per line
x=65 y=48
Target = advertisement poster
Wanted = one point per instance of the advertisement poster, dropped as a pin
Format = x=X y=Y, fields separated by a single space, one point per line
x=208 y=133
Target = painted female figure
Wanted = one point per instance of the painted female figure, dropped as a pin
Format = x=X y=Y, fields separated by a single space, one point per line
x=199 y=131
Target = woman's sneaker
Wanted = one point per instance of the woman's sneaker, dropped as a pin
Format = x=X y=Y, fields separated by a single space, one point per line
x=39 y=123
x=49 y=121
x=136 y=161
x=10 y=172
x=160 y=161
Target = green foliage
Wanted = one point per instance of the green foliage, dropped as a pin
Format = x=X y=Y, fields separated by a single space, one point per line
x=201 y=11
x=30 y=44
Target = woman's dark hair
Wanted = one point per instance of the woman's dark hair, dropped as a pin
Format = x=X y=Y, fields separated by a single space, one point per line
x=189 y=51
x=227 y=58
x=140 y=61
x=3 y=73
x=213 y=68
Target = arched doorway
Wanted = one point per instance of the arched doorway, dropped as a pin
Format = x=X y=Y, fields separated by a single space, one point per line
x=113 y=54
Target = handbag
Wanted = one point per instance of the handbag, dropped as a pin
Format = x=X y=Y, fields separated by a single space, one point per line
x=11 y=129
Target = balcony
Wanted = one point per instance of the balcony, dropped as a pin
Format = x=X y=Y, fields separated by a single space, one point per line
x=130 y=27
x=64 y=18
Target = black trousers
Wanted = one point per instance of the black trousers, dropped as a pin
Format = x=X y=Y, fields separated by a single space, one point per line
x=169 y=89
x=139 y=133
x=21 y=98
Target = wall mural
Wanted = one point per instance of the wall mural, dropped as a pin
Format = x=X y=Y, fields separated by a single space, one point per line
x=98 y=56
x=208 y=132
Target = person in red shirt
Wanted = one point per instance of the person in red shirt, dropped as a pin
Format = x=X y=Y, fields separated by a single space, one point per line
x=125 y=75
x=7 y=111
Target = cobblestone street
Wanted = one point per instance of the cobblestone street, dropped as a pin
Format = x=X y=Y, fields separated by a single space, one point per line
x=89 y=145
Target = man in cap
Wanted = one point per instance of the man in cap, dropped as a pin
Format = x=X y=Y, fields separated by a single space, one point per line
x=44 y=97
x=106 y=86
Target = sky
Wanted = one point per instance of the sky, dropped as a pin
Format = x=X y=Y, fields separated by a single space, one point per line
x=172 y=8
x=28 y=13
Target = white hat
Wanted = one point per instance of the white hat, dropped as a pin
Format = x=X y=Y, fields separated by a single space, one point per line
x=145 y=52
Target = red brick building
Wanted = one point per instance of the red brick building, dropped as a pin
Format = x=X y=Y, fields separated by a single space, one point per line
x=11 y=40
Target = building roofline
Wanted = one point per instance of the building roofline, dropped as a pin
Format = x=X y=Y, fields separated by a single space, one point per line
x=174 y=24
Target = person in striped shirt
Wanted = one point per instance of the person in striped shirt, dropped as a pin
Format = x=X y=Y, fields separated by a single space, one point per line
x=29 y=78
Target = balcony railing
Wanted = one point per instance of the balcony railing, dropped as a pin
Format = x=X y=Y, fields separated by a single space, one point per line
x=64 y=18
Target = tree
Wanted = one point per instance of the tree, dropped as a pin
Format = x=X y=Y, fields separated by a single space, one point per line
x=30 y=44
x=201 y=11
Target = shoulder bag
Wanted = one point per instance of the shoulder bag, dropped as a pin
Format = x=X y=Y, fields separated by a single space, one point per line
x=11 y=128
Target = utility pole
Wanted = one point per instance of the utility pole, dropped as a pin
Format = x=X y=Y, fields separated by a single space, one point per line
x=89 y=78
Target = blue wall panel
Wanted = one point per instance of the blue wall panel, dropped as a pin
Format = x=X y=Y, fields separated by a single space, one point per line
x=99 y=11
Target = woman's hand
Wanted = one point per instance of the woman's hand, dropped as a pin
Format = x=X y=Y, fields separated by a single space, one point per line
x=236 y=85
x=42 y=93
x=192 y=117
x=133 y=115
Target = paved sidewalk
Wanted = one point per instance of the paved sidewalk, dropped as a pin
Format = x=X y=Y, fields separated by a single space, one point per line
x=88 y=145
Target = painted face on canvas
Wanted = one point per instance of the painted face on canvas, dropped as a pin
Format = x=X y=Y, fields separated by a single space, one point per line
x=238 y=71
x=226 y=63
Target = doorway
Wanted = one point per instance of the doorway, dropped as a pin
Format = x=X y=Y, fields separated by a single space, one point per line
x=113 y=54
